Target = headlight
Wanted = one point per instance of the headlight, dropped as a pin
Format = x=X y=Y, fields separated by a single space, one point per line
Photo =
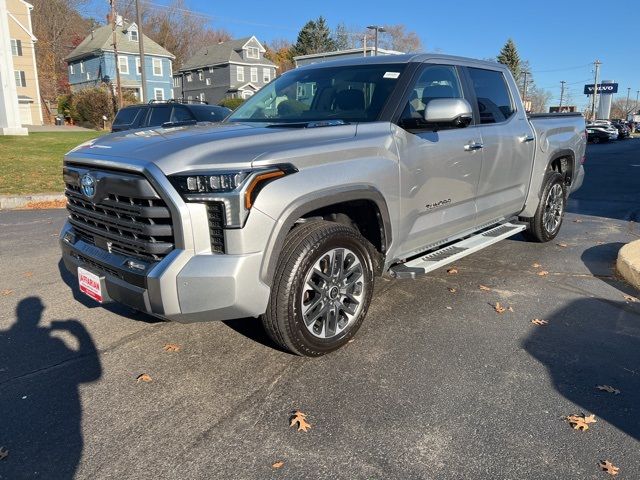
x=237 y=190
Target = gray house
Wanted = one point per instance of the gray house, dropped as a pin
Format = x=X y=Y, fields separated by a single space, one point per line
x=368 y=51
x=235 y=69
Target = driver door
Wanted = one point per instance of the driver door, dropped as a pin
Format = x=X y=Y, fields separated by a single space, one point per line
x=439 y=167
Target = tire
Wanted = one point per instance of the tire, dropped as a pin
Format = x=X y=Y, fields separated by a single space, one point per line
x=546 y=223
x=299 y=293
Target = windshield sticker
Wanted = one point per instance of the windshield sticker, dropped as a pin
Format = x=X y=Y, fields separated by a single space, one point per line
x=391 y=75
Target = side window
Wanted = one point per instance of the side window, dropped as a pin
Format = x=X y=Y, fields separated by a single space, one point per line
x=159 y=115
x=126 y=116
x=180 y=114
x=494 y=101
x=437 y=81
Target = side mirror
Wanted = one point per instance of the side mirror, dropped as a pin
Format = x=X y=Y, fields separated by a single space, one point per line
x=448 y=111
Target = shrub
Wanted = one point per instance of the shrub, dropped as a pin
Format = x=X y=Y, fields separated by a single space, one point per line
x=65 y=106
x=91 y=104
x=231 y=103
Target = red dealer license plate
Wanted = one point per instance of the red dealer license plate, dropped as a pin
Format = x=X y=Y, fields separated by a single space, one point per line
x=90 y=284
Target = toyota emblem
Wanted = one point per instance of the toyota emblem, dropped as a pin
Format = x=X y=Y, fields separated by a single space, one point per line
x=88 y=185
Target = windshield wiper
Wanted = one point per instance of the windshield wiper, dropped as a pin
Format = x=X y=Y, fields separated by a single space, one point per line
x=311 y=124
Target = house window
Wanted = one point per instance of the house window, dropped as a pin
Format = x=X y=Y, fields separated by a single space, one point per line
x=158 y=93
x=81 y=67
x=189 y=98
x=20 y=79
x=71 y=72
x=123 y=64
x=138 y=67
x=189 y=77
x=157 y=67
x=210 y=69
x=133 y=35
x=16 y=47
x=201 y=75
x=176 y=81
x=254 y=74
x=208 y=81
x=266 y=75
x=88 y=76
x=253 y=52
x=202 y=97
x=240 y=74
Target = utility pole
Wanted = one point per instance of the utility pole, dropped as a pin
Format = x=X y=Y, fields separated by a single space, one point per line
x=626 y=105
x=562 y=82
x=364 y=45
x=377 y=29
x=114 y=22
x=143 y=72
x=524 y=88
x=595 y=90
x=637 y=93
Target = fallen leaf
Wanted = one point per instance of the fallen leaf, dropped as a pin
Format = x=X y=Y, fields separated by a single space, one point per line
x=536 y=265
x=452 y=271
x=453 y=290
x=540 y=322
x=27 y=274
x=609 y=467
x=300 y=418
x=144 y=377
x=351 y=340
x=581 y=422
x=46 y=204
x=482 y=287
x=543 y=273
x=499 y=308
x=510 y=309
x=608 y=388
x=4 y=453
x=563 y=245
x=278 y=464
x=449 y=308
x=7 y=292
x=628 y=298
x=577 y=220
x=171 y=347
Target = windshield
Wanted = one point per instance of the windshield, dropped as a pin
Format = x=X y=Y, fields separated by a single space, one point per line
x=347 y=93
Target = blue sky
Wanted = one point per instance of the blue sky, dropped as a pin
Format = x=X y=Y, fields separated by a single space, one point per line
x=555 y=36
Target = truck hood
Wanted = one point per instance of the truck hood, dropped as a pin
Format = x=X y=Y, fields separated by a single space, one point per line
x=199 y=147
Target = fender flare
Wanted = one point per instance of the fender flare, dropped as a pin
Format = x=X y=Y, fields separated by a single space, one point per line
x=314 y=201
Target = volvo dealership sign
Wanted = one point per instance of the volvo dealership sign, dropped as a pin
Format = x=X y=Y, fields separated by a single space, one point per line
x=602 y=88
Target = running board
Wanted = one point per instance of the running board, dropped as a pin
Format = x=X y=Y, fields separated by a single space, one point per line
x=445 y=255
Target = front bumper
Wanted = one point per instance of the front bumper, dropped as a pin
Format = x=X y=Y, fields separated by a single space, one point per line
x=183 y=287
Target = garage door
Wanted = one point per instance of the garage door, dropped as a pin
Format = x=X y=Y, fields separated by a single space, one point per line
x=25 y=114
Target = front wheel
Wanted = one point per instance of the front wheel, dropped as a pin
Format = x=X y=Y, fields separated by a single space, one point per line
x=545 y=224
x=321 y=289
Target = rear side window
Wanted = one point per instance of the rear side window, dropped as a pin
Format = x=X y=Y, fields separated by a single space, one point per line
x=126 y=116
x=159 y=115
x=492 y=93
x=181 y=114
x=210 y=113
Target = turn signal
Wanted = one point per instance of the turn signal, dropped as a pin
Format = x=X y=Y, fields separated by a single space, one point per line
x=256 y=185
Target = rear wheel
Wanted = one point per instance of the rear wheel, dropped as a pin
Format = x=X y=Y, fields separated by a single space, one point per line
x=546 y=223
x=321 y=289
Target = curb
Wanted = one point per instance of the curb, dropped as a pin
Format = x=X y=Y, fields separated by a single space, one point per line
x=628 y=263
x=10 y=202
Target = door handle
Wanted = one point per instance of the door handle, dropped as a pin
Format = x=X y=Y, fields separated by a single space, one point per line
x=527 y=138
x=470 y=147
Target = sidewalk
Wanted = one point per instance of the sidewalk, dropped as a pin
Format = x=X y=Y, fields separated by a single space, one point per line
x=41 y=200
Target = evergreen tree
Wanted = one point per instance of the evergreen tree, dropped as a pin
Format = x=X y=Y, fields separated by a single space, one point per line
x=509 y=57
x=315 y=37
x=341 y=37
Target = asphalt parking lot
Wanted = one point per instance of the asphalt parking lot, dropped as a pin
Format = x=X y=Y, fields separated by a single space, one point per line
x=436 y=384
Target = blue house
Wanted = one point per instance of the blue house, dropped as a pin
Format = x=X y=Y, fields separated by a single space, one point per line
x=93 y=63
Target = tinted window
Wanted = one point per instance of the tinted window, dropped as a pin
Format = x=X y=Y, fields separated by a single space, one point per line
x=493 y=97
x=436 y=81
x=210 y=113
x=126 y=116
x=181 y=114
x=159 y=115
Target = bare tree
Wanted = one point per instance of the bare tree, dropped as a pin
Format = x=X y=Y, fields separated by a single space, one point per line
x=398 y=38
x=620 y=108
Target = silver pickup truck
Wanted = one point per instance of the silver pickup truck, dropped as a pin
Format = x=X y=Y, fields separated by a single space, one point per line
x=329 y=176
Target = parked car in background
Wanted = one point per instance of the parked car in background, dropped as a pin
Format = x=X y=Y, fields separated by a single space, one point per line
x=166 y=114
x=597 y=135
x=624 y=131
x=606 y=127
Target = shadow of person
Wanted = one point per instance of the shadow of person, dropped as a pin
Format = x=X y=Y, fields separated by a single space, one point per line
x=593 y=342
x=40 y=408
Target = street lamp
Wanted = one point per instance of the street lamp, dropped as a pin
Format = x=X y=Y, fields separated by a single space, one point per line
x=380 y=29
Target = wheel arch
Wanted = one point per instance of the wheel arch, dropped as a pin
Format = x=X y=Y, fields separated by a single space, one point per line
x=319 y=201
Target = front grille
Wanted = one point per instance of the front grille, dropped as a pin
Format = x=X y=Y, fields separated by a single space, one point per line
x=215 y=214
x=126 y=215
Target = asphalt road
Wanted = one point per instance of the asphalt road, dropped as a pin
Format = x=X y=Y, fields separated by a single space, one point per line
x=435 y=385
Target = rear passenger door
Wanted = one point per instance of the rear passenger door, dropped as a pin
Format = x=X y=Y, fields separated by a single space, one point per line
x=508 y=146
x=159 y=114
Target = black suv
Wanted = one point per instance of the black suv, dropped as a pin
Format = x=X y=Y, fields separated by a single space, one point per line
x=166 y=114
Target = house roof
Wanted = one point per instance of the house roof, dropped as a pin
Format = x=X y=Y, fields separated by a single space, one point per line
x=101 y=39
x=338 y=53
x=225 y=52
